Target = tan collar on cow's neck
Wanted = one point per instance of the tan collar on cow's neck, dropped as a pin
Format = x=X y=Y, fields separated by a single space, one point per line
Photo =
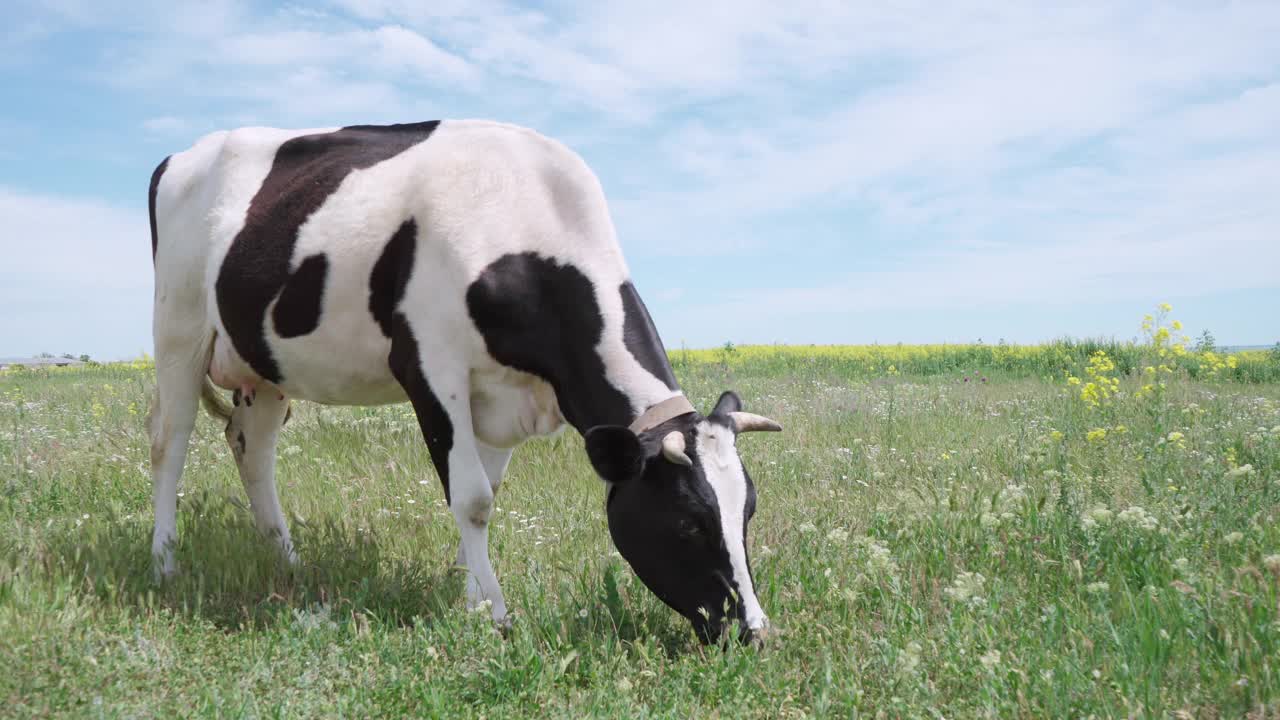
x=674 y=406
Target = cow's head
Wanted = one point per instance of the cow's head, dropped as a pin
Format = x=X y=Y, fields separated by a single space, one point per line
x=678 y=505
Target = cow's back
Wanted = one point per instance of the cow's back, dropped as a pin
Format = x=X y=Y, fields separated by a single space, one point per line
x=293 y=233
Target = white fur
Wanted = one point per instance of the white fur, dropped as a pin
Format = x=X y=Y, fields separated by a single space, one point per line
x=723 y=469
x=478 y=190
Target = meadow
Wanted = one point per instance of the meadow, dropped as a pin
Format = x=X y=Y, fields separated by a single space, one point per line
x=1078 y=529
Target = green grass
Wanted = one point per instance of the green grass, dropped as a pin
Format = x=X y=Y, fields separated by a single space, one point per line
x=927 y=546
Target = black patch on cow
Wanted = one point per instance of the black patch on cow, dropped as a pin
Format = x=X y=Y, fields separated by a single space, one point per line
x=437 y=429
x=641 y=337
x=541 y=317
x=305 y=172
x=151 y=203
x=297 y=312
x=390 y=275
x=235 y=397
x=240 y=439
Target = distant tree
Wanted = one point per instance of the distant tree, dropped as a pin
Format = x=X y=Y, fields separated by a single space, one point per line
x=1206 y=343
x=84 y=358
x=45 y=355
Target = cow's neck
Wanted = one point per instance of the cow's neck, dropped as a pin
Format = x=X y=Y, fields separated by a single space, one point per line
x=637 y=376
x=618 y=399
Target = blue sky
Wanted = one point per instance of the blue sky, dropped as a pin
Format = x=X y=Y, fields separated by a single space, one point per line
x=812 y=172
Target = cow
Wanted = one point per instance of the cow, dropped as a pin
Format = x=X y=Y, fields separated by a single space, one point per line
x=470 y=268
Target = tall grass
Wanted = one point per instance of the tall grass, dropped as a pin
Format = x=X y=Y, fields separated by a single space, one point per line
x=942 y=531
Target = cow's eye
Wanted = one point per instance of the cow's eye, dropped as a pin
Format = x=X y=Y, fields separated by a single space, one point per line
x=690 y=527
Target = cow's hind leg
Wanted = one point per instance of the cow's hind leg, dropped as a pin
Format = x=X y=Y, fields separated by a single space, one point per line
x=252 y=432
x=180 y=370
x=441 y=400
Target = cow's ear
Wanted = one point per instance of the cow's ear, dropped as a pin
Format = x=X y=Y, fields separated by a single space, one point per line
x=728 y=402
x=615 y=452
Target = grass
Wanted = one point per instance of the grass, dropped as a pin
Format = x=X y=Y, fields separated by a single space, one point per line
x=943 y=538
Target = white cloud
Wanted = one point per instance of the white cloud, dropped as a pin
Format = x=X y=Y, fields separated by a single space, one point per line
x=1029 y=151
x=398 y=48
x=76 y=276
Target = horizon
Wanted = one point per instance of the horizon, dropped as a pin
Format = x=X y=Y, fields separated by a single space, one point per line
x=809 y=174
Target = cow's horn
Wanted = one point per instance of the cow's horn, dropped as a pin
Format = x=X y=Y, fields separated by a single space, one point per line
x=673 y=448
x=749 y=422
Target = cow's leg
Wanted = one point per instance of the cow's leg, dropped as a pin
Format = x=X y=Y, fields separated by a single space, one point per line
x=441 y=400
x=252 y=432
x=494 y=461
x=180 y=370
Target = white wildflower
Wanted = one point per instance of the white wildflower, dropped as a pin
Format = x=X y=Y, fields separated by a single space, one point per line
x=879 y=560
x=808 y=527
x=1011 y=496
x=838 y=535
x=1272 y=563
x=1138 y=517
x=313 y=620
x=1232 y=538
x=909 y=659
x=1242 y=471
x=967 y=588
x=990 y=659
x=1097 y=517
x=1097 y=588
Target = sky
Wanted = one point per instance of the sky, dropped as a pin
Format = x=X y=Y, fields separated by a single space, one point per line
x=804 y=172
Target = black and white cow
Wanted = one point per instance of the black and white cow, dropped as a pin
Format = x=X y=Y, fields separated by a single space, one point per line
x=470 y=268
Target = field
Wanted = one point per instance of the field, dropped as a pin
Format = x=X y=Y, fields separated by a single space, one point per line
x=960 y=531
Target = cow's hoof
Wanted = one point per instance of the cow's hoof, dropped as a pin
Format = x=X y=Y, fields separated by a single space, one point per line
x=504 y=625
x=766 y=636
x=163 y=570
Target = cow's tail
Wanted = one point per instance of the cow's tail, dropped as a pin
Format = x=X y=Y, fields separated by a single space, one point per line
x=214 y=402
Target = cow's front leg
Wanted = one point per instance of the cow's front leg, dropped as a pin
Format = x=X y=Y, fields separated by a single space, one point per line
x=494 y=461
x=471 y=501
x=441 y=400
